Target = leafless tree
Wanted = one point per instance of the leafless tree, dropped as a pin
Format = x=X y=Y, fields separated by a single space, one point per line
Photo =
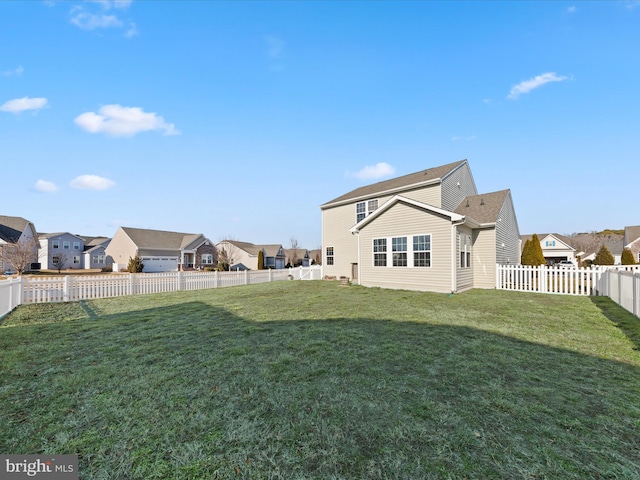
x=227 y=253
x=294 y=245
x=20 y=255
x=59 y=260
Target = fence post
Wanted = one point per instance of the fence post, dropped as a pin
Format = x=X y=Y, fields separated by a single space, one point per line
x=180 y=280
x=635 y=293
x=270 y=276
x=65 y=288
x=131 y=292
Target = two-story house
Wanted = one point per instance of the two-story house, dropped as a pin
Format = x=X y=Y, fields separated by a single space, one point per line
x=429 y=230
x=18 y=244
x=60 y=251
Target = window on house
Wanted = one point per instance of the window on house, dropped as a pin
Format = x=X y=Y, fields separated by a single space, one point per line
x=55 y=244
x=66 y=245
x=550 y=243
x=399 y=251
x=270 y=261
x=465 y=250
x=76 y=245
x=364 y=209
x=422 y=250
x=98 y=259
x=207 y=258
x=379 y=252
x=76 y=259
x=55 y=259
x=329 y=255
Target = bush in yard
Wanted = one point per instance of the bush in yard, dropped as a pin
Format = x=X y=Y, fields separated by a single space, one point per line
x=135 y=265
x=260 y=260
x=627 y=257
x=532 y=252
x=603 y=257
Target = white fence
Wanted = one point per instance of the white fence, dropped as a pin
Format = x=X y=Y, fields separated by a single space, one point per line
x=621 y=283
x=37 y=289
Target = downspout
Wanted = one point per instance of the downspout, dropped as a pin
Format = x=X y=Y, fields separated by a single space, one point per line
x=454 y=259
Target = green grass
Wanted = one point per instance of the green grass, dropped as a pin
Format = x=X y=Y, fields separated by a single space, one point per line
x=313 y=380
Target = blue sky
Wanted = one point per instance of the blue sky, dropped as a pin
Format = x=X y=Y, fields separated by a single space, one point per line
x=240 y=118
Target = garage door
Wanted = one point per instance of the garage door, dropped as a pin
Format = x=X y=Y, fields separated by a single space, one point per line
x=160 y=264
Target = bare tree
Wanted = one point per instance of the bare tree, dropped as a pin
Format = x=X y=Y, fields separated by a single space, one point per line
x=227 y=253
x=59 y=260
x=294 y=245
x=20 y=255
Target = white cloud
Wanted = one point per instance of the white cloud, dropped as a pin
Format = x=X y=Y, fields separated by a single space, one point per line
x=16 y=71
x=119 y=121
x=46 y=187
x=572 y=9
x=527 y=85
x=18 y=105
x=275 y=46
x=91 y=182
x=90 y=17
x=631 y=4
x=91 y=21
x=378 y=170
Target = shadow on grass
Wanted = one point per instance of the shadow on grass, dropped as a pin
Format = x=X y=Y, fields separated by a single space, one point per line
x=194 y=391
x=624 y=320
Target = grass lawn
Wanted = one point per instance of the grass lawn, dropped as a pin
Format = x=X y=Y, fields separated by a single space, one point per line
x=299 y=380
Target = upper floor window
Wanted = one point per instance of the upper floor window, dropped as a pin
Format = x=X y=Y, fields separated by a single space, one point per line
x=550 y=243
x=329 y=255
x=364 y=209
x=55 y=243
x=66 y=245
x=76 y=245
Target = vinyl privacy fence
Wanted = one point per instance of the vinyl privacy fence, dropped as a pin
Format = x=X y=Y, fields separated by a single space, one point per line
x=620 y=283
x=36 y=289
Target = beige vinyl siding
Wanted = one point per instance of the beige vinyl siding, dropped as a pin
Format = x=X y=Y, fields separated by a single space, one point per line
x=121 y=248
x=336 y=222
x=484 y=258
x=452 y=193
x=405 y=220
x=464 y=276
x=431 y=195
x=507 y=233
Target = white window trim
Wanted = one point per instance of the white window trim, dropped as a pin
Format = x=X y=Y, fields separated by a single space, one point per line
x=468 y=253
x=332 y=256
x=409 y=251
x=367 y=211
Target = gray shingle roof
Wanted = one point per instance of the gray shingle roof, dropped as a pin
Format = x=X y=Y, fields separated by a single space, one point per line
x=631 y=234
x=398 y=184
x=11 y=228
x=484 y=208
x=159 y=239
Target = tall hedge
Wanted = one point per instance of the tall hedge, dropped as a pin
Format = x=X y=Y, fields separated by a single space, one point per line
x=603 y=257
x=627 y=257
x=260 y=260
x=532 y=252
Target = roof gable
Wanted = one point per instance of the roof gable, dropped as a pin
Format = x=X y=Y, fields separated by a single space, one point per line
x=11 y=228
x=398 y=184
x=400 y=199
x=631 y=234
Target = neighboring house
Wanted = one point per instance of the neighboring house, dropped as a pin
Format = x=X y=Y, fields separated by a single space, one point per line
x=428 y=230
x=631 y=241
x=94 y=255
x=17 y=233
x=160 y=251
x=244 y=255
x=60 y=250
x=297 y=257
x=615 y=246
x=315 y=256
x=555 y=247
